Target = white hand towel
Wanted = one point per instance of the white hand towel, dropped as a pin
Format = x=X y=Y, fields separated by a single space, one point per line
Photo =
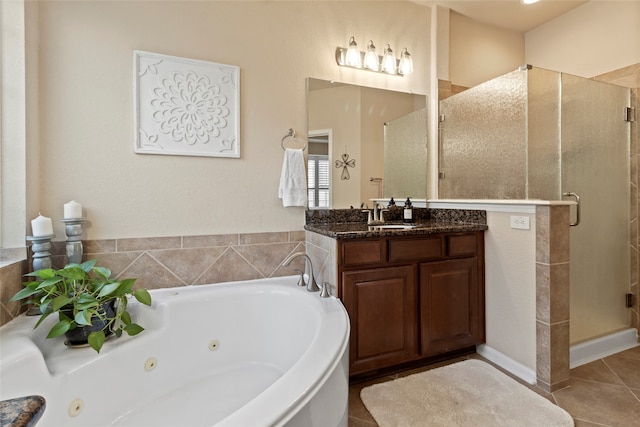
x=293 y=179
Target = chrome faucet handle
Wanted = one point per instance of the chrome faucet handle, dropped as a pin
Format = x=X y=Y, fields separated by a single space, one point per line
x=324 y=290
x=301 y=281
x=369 y=216
x=382 y=211
x=312 y=286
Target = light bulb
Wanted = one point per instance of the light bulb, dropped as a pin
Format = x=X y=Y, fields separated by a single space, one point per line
x=406 y=63
x=389 y=61
x=371 y=58
x=352 y=58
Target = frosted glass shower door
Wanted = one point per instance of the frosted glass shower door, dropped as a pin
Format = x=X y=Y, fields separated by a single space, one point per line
x=483 y=140
x=595 y=165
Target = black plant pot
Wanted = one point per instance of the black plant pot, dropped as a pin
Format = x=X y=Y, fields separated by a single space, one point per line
x=79 y=336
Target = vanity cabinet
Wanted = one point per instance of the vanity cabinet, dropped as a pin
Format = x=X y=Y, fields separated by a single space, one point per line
x=411 y=297
x=383 y=307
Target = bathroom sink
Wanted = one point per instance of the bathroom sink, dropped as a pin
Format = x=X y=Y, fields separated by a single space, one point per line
x=393 y=227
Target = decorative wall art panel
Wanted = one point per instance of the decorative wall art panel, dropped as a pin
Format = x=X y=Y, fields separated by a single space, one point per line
x=185 y=106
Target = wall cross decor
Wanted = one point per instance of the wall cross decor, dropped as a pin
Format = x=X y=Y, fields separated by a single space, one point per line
x=345 y=163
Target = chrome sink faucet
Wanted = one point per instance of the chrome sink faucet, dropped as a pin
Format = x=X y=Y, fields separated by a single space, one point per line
x=376 y=216
x=311 y=284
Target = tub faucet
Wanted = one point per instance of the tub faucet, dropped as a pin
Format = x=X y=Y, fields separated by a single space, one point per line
x=312 y=286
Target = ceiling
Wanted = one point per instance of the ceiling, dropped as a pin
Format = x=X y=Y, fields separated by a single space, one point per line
x=510 y=15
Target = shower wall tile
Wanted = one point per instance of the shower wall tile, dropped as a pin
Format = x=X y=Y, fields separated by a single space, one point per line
x=552 y=237
x=552 y=367
x=552 y=292
x=552 y=297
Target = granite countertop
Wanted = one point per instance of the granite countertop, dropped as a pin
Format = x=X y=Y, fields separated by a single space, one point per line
x=356 y=230
x=352 y=223
x=21 y=411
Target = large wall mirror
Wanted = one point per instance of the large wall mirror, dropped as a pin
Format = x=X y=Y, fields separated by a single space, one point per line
x=364 y=143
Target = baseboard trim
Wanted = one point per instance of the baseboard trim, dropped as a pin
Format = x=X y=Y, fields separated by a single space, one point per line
x=598 y=348
x=505 y=362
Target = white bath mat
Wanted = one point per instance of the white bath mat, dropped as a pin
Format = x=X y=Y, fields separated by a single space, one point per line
x=469 y=393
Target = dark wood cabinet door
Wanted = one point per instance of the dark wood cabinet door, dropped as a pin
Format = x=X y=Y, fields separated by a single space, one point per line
x=450 y=311
x=383 y=306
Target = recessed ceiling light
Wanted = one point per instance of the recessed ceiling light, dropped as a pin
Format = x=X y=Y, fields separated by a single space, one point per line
x=529 y=1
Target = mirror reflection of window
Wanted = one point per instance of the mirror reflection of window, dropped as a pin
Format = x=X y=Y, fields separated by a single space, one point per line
x=318 y=174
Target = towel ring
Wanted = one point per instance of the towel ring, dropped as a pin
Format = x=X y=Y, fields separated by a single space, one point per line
x=292 y=135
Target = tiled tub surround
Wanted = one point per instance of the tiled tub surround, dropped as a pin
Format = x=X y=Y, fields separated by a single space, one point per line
x=164 y=262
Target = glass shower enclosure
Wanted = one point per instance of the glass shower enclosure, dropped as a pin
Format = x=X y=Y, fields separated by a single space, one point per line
x=540 y=134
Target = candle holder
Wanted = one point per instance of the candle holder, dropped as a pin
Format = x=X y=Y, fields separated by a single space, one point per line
x=41 y=247
x=73 y=230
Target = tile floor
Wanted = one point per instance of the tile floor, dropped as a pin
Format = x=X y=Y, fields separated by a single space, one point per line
x=601 y=393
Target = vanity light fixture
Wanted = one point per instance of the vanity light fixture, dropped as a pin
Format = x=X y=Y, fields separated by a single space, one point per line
x=405 y=66
x=388 y=61
x=370 y=61
x=352 y=57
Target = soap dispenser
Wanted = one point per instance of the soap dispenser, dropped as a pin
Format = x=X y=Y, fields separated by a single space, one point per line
x=408 y=211
x=391 y=204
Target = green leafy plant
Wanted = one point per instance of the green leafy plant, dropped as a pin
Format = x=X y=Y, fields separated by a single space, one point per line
x=78 y=294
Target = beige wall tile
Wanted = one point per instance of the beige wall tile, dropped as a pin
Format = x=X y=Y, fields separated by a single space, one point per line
x=188 y=264
x=11 y=278
x=229 y=267
x=261 y=238
x=209 y=241
x=148 y=243
x=151 y=274
x=99 y=246
x=297 y=236
x=267 y=258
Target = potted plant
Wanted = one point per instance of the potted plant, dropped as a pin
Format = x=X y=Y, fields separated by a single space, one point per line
x=89 y=303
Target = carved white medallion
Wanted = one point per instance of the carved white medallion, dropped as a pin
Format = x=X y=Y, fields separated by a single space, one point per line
x=186 y=106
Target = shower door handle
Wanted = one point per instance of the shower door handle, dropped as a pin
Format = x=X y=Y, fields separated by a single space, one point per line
x=573 y=224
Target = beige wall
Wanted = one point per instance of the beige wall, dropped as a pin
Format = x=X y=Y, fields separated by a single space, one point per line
x=85 y=105
x=595 y=38
x=345 y=130
x=479 y=52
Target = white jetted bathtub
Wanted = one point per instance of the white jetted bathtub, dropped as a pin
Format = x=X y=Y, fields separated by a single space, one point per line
x=243 y=354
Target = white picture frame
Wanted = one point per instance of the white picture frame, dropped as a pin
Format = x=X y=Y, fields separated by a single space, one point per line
x=185 y=107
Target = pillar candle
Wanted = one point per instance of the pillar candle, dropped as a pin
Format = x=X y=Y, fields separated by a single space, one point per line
x=41 y=226
x=72 y=210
